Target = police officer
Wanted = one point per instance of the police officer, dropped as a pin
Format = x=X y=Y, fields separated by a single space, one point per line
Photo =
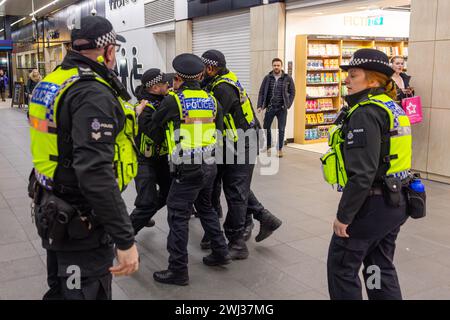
x=77 y=116
x=153 y=178
x=370 y=159
x=190 y=117
x=241 y=124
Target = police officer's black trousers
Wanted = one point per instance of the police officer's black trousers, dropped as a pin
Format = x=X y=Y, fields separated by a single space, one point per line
x=371 y=243
x=236 y=180
x=152 y=186
x=63 y=268
x=194 y=183
x=254 y=209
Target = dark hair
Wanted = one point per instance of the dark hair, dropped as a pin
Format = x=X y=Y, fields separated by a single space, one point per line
x=277 y=59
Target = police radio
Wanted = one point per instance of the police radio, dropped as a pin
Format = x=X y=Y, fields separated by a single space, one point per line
x=114 y=82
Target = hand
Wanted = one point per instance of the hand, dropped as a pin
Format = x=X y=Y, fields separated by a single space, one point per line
x=340 y=229
x=140 y=107
x=408 y=91
x=128 y=262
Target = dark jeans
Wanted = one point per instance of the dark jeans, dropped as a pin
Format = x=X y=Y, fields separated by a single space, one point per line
x=95 y=278
x=281 y=115
x=372 y=243
x=151 y=175
x=2 y=93
x=194 y=183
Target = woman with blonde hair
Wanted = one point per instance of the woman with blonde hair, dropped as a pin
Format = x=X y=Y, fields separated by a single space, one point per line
x=372 y=158
x=33 y=80
x=401 y=79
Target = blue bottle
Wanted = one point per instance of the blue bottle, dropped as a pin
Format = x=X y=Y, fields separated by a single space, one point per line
x=417 y=186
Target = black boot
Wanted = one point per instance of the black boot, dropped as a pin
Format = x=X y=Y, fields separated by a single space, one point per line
x=215 y=259
x=248 y=231
x=268 y=224
x=238 y=249
x=171 y=277
x=205 y=244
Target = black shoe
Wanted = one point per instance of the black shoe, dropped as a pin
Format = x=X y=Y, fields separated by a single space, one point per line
x=238 y=249
x=170 y=277
x=205 y=244
x=248 y=231
x=150 y=223
x=268 y=224
x=216 y=260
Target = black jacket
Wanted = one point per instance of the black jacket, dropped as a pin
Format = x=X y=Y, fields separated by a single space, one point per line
x=30 y=86
x=169 y=111
x=229 y=98
x=288 y=88
x=406 y=80
x=145 y=121
x=366 y=135
x=90 y=176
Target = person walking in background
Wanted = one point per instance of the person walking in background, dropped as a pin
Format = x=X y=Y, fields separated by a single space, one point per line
x=3 y=83
x=401 y=79
x=33 y=80
x=276 y=95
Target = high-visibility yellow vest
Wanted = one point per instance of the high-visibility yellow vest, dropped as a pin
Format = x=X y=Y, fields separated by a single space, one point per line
x=400 y=143
x=246 y=105
x=43 y=129
x=147 y=146
x=197 y=132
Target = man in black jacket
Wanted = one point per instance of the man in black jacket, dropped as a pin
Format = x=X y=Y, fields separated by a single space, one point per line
x=153 y=178
x=276 y=95
x=89 y=117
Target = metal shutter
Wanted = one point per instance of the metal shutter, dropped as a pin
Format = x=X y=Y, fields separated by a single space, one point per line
x=231 y=36
x=159 y=11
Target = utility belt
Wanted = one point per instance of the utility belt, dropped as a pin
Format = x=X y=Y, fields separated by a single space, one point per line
x=197 y=156
x=392 y=189
x=56 y=220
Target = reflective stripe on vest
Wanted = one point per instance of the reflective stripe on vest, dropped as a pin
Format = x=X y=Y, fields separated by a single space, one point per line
x=43 y=128
x=400 y=143
x=246 y=105
x=197 y=132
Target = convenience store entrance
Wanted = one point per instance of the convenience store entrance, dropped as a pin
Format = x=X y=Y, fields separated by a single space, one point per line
x=321 y=38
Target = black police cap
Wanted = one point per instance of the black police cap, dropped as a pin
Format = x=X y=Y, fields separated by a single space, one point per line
x=188 y=65
x=97 y=30
x=153 y=76
x=214 y=58
x=370 y=59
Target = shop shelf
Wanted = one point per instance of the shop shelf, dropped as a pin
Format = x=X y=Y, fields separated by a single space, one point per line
x=321 y=83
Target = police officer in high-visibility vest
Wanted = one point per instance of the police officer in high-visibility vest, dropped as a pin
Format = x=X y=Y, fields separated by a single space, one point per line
x=241 y=140
x=153 y=178
x=191 y=118
x=83 y=156
x=369 y=160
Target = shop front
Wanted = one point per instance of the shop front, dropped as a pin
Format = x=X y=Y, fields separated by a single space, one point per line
x=318 y=40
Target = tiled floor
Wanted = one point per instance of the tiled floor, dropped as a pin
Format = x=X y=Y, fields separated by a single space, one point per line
x=289 y=265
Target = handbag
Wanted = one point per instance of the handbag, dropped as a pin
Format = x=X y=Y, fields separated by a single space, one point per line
x=413 y=109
